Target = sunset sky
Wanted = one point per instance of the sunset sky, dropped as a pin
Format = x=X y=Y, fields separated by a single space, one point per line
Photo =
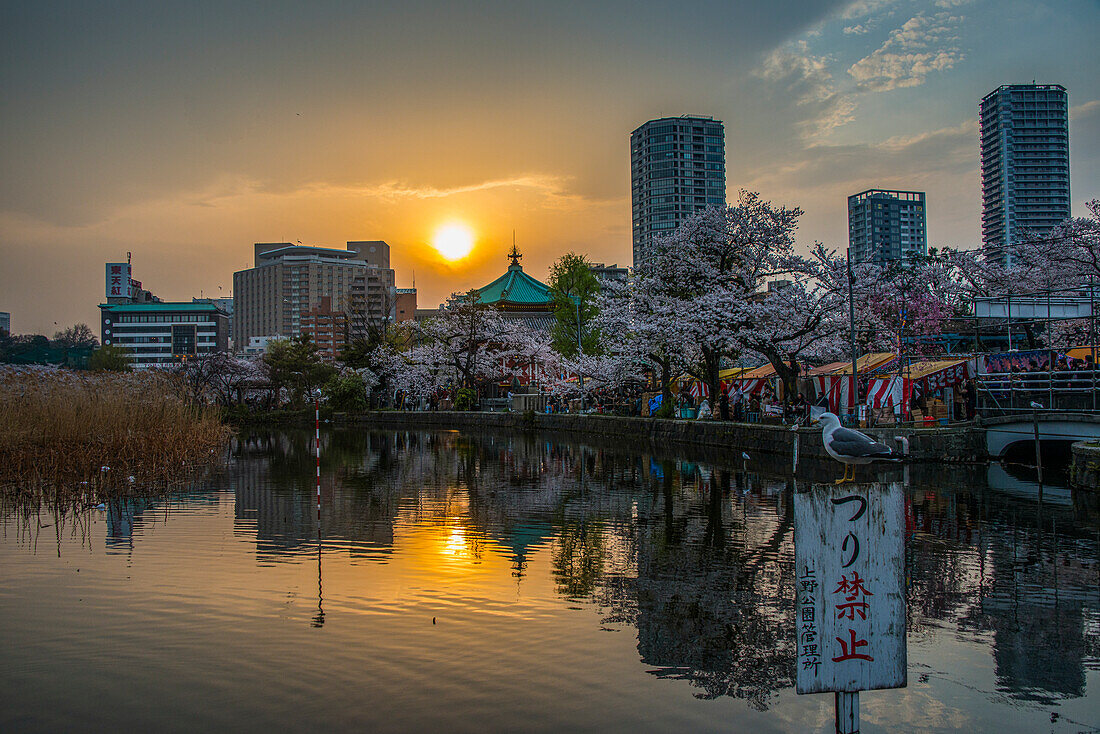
x=186 y=132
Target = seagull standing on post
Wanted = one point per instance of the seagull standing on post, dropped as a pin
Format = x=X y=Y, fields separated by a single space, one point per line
x=851 y=447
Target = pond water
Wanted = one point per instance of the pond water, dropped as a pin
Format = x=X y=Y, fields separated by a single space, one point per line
x=525 y=583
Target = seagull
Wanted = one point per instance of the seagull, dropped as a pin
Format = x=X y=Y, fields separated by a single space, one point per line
x=851 y=447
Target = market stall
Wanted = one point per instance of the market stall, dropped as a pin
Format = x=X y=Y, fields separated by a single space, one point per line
x=834 y=381
x=930 y=383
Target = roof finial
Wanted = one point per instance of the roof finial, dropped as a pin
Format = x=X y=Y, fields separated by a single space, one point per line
x=514 y=254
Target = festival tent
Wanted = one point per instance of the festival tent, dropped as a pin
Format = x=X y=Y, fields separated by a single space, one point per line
x=752 y=381
x=1081 y=352
x=699 y=390
x=897 y=389
x=835 y=379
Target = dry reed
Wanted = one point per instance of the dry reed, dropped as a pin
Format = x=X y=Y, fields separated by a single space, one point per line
x=92 y=435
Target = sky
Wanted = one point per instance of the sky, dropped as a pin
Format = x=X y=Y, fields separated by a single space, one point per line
x=185 y=132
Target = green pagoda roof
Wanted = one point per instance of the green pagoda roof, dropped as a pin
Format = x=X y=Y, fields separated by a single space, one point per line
x=516 y=290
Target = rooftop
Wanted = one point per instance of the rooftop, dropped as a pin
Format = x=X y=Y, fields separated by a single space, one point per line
x=306 y=251
x=516 y=290
x=139 y=307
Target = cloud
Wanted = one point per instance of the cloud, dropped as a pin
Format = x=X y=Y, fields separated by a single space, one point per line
x=864 y=8
x=922 y=45
x=1084 y=109
x=857 y=30
x=807 y=80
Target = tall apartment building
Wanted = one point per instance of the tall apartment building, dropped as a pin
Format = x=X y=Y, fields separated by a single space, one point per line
x=286 y=281
x=887 y=226
x=677 y=166
x=1025 y=164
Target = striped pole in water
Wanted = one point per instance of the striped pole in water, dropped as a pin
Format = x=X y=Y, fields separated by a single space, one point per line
x=317 y=440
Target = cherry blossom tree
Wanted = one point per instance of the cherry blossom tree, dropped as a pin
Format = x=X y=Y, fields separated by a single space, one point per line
x=473 y=338
x=641 y=324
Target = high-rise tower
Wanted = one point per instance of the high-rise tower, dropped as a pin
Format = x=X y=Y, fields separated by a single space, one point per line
x=1025 y=164
x=677 y=166
x=885 y=226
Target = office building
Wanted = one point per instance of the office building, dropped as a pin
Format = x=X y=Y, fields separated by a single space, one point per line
x=1025 y=165
x=225 y=303
x=677 y=167
x=887 y=226
x=154 y=332
x=327 y=328
x=5 y=323
x=288 y=280
x=159 y=333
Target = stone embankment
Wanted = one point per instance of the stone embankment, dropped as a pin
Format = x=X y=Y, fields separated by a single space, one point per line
x=965 y=444
x=1085 y=470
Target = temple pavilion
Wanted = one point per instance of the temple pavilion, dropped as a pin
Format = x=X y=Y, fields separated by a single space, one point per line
x=520 y=296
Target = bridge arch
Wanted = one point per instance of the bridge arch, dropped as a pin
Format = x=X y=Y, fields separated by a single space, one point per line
x=1001 y=433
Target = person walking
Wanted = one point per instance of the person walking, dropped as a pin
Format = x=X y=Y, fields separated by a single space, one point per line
x=970 y=399
x=724 y=405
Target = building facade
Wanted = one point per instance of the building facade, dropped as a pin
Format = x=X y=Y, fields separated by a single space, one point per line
x=406 y=304
x=288 y=280
x=158 y=334
x=677 y=167
x=605 y=273
x=225 y=303
x=887 y=226
x=1025 y=165
x=5 y=322
x=327 y=327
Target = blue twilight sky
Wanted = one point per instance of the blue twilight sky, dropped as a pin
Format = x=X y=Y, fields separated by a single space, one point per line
x=184 y=132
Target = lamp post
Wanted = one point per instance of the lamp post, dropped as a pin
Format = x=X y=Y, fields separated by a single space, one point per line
x=580 y=349
x=852 y=332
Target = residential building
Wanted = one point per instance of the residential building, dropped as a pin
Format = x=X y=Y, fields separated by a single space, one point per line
x=887 y=226
x=677 y=167
x=1025 y=165
x=288 y=280
x=157 y=334
x=327 y=327
x=405 y=307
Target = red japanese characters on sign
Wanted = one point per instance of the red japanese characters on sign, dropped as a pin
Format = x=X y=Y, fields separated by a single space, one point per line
x=850 y=595
x=119 y=284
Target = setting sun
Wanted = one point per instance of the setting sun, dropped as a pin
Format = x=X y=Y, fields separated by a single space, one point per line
x=453 y=241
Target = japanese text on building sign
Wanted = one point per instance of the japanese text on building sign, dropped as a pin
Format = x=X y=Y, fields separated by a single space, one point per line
x=118 y=280
x=850 y=587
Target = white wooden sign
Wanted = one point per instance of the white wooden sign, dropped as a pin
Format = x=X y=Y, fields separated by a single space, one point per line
x=118 y=280
x=850 y=587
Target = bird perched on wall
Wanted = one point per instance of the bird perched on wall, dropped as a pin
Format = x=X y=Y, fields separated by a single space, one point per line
x=851 y=447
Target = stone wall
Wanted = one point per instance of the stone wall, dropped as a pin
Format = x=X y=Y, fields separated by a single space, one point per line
x=925 y=444
x=1085 y=470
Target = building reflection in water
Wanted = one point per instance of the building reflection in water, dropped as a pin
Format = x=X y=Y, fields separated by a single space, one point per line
x=697 y=557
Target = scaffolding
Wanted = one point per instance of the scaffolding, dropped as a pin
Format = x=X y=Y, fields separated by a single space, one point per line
x=1032 y=374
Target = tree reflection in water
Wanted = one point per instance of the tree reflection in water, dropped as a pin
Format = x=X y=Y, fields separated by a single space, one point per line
x=697 y=557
